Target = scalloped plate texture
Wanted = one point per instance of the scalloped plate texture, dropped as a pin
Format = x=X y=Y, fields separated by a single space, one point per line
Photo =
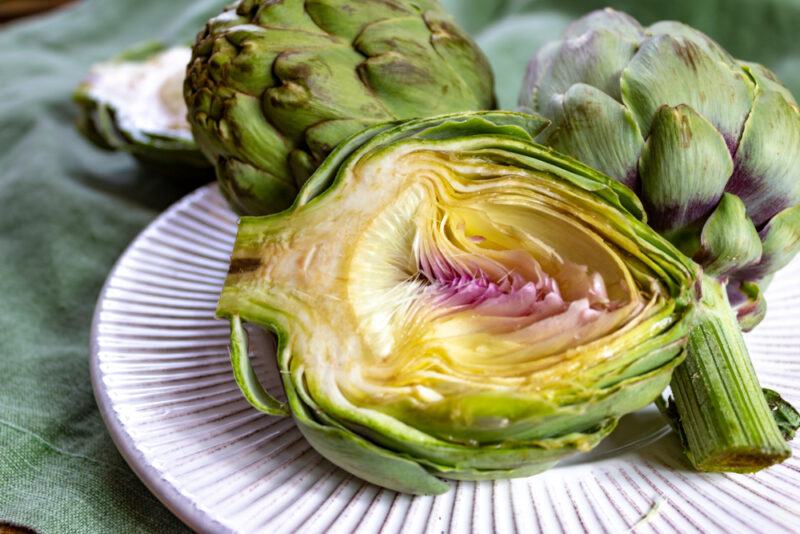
x=162 y=378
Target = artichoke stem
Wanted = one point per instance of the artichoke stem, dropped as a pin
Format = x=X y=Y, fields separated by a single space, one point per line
x=726 y=424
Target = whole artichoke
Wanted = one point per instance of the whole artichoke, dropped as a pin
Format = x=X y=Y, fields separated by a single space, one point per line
x=710 y=143
x=273 y=87
x=453 y=300
x=134 y=103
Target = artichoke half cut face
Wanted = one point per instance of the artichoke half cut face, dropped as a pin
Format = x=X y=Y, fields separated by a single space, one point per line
x=459 y=302
x=134 y=103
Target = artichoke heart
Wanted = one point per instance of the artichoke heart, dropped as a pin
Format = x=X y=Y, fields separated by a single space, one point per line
x=460 y=302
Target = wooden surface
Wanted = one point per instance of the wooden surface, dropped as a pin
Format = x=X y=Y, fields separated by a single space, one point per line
x=12 y=9
x=8 y=528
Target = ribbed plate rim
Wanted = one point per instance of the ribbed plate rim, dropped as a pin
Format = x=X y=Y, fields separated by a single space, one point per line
x=178 y=503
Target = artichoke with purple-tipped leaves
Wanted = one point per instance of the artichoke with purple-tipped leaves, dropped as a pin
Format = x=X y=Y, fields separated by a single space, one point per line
x=711 y=145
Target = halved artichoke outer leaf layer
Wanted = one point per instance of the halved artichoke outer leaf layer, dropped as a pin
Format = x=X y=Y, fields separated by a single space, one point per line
x=104 y=120
x=384 y=447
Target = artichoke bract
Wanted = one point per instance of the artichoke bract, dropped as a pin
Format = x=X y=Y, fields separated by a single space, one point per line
x=134 y=103
x=452 y=300
x=273 y=87
x=711 y=143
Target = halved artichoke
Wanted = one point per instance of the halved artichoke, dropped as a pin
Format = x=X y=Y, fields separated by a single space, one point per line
x=134 y=103
x=453 y=300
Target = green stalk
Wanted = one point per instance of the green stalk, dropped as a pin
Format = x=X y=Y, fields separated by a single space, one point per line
x=724 y=419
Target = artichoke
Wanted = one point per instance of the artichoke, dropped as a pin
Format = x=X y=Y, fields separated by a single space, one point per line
x=452 y=300
x=134 y=103
x=711 y=145
x=273 y=87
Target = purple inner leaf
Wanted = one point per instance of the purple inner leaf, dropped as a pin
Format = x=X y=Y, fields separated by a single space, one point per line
x=455 y=288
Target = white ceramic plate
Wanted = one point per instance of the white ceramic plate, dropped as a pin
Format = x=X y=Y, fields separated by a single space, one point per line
x=162 y=379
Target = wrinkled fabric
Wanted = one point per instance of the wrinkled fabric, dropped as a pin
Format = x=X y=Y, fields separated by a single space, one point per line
x=68 y=210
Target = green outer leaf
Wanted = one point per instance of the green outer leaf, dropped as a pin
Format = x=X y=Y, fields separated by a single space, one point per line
x=246 y=378
x=729 y=240
x=767 y=175
x=752 y=311
x=451 y=43
x=595 y=58
x=780 y=241
x=785 y=415
x=608 y=19
x=674 y=71
x=684 y=167
x=524 y=127
x=529 y=99
x=767 y=80
x=364 y=459
x=573 y=429
x=422 y=88
x=545 y=457
x=347 y=449
x=704 y=42
x=599 y=131
x=241 y=183
x=326 y=172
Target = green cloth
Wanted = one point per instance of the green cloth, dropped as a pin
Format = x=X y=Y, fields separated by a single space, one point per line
x=67 y=210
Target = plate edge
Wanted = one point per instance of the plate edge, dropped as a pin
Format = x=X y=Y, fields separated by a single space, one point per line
x=177 y=503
